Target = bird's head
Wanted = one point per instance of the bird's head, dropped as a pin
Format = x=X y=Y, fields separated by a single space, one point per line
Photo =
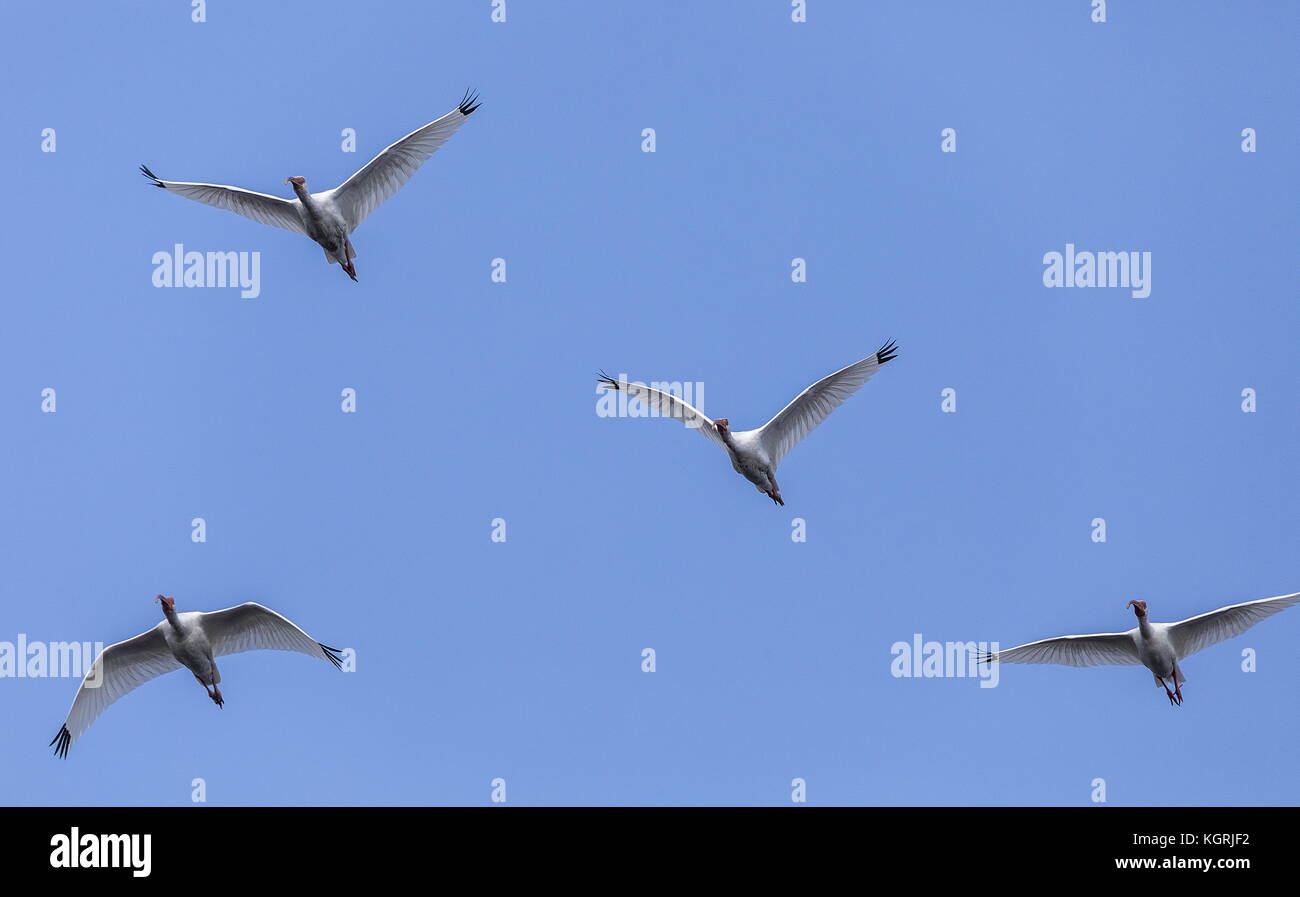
x=168 y=604
x=297 y=180
x=1139 y=608
x=723 y=425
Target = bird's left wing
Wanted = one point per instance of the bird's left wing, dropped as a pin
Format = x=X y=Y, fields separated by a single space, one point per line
x=665 y=404
x=261 y=207
x=814 y=404
x=252 y=627
x=385 y=174
x=1094 y=650
x=117 y=670
x=1199 y=632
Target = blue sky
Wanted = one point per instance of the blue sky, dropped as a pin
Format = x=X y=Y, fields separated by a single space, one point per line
x=476 y=400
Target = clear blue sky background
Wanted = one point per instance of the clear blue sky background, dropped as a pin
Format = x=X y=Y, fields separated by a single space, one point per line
x=477 y=400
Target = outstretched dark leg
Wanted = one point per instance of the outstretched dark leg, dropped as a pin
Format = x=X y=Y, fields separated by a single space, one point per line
x=1173 y=699
x=213 y=692
x=773 y=490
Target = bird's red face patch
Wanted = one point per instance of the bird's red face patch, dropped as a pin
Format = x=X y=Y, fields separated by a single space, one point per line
x=167 y=603
x=297 y=179
x=1139 y=607
x=722 y=424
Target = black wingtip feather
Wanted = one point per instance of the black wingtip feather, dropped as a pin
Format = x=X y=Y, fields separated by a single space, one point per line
x=333 y=655
x=157 y=182
x=607 y=380
x=888 y=352
x=63 y=740
x=469 y=102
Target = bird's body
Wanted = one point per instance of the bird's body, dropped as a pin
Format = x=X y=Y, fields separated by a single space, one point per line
x=326 y=225
x=755 y=454
x=189 y=644
x=1160 y=647
x=1156 y=651
x=191 y=640
x=749 y=459
x=330 y=217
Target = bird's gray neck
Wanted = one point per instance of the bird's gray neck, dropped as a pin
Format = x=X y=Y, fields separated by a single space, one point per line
x=1144 y=627
x=311 y=209
x=175 y=620
x=304 y=197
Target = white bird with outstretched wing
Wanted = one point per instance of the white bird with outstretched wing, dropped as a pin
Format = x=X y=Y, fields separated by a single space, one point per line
x=755 y=454
x=1157 y=646
x=330 y=217
x=192 y=640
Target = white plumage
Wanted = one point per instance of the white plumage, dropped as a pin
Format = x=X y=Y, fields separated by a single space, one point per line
x=331 y=216
x=755 y=454
x=1157 y=646
x=192 y=640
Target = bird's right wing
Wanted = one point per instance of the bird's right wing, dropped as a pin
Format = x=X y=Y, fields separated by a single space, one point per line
x=385 y=174
x=261 y=207
x=252 y=627
x=1199 y=632
x=812 y=406
x=664 y=404
x=118 y=669
x=1096 y=650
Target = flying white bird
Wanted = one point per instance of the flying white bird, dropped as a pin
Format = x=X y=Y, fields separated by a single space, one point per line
x=755 y=454
x=192 y=640
x=330 y=216
x=1157 y=646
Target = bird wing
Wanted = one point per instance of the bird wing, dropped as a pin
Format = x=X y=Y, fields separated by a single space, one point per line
x=1095 y=650
x=385 y=174
x=665 y=404
x=252 y=627
x=262 y=207
x=1199 y=632
x=116 y=671
x=811 y=407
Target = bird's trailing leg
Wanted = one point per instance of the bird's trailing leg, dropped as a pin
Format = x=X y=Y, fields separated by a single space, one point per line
x=214 y=694
x=773 y=490
x=1174 y=699
x=348 y=255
